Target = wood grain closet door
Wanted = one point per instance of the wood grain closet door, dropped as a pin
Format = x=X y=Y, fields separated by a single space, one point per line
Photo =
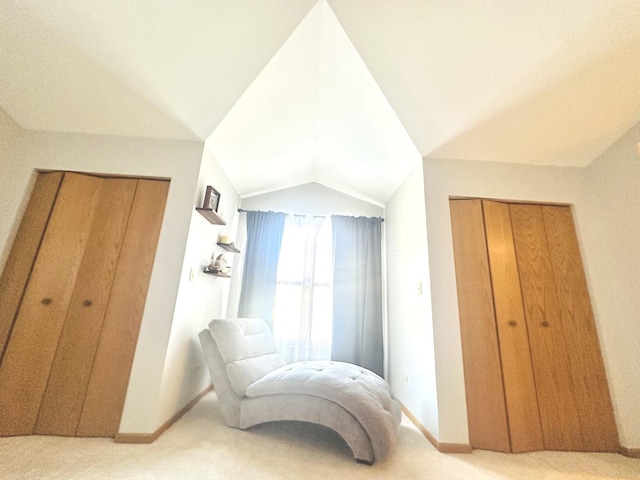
x=544 y=345
x=519 y=384
x=67 y=360
x=17 y=268
x=486 y=410
x=555 y=384
x=107 y=387
x=594 y=408
x=26 y=364
x=69 y=378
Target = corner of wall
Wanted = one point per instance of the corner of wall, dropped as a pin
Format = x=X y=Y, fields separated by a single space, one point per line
x=610 y=232
x=412 y=372
x=200 y=297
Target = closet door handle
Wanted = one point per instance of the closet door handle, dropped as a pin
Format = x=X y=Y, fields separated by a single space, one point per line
x=87 y=303
x=545 y=324
x=47 y=301
x=512 y=323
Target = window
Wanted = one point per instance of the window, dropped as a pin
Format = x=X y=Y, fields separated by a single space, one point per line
x=303 y=307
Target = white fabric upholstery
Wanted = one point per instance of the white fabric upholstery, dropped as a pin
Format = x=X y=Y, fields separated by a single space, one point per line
x=255 y=386
x=243 y=373
x=242 y=338
x=361 y=392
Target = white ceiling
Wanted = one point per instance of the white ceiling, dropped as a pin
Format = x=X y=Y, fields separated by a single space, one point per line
x=349 y=96
x=315 y=114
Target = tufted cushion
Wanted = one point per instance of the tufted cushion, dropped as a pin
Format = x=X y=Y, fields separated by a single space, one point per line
x=243 y=373
x=242 y=338
x=361 y=392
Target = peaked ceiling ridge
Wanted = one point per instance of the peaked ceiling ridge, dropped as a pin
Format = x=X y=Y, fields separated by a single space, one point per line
x=322 y=16
x=282 y=83
x=315 y=114
x=337 y=50
x=319 y=44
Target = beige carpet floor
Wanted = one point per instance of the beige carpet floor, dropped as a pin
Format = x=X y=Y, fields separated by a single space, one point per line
x=199 y=446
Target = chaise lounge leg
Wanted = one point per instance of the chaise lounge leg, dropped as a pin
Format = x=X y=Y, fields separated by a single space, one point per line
x=365 y=462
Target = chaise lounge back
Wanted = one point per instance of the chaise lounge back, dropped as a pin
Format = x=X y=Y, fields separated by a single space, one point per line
x=255 y=385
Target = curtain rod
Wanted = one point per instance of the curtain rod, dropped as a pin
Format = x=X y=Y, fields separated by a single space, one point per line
x=241 y=210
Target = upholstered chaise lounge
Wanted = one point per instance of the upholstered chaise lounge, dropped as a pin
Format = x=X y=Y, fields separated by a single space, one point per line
x=254 y=385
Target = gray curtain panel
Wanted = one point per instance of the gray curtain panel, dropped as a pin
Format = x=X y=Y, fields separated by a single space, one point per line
x=262 y=252
x=357 y=292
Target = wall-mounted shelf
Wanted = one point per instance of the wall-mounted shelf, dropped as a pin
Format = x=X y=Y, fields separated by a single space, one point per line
x=211 y=215
x=229 y=247
x=216 y=274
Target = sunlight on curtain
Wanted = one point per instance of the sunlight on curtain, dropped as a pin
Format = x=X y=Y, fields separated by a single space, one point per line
x=357 y=287
x=264 y=237
x=303 y=312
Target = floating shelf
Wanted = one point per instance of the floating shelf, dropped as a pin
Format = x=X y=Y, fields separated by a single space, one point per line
x=228 y=247
x=211 y=215
x=216 y=274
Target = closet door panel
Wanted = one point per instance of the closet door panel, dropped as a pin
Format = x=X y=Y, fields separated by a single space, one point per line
x=32 y=346
x=517 y=371
x=64 y=396
x=585 y=359
x=554 y=382
x=112 y=365
x=486 y=409
x=17 y=269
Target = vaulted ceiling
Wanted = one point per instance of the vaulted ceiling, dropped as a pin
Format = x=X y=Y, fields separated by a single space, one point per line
x=347 y=93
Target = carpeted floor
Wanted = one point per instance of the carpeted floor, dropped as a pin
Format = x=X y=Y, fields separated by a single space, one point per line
x=199 y=446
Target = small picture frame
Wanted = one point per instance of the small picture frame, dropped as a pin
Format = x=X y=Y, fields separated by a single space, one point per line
x=211 y=198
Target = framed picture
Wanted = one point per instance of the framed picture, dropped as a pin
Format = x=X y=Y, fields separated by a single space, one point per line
x=211 y=198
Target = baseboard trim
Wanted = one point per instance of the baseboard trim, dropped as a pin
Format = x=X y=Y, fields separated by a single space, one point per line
x=465 y=448
x=152 y=437
x=441 y=447
x=630 y=452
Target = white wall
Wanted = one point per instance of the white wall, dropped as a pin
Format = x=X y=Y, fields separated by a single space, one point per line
x=605 y=200
x=412 y=372
x=609 y=223
x=201 y=299
x=178 y=161
x=10 y=134
x=314 y=199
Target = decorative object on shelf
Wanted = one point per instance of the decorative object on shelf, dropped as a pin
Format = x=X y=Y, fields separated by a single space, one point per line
x=211 y=198
x=219 y=267
x=224 y=242
x=209 y=209
x=221 y=264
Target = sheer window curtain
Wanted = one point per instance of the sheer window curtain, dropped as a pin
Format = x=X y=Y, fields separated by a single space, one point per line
x=318 y=284
x=260 y=267
x=357 y=292
x=302 y=318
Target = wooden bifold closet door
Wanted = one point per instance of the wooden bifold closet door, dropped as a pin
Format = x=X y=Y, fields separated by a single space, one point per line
x=533 y=369
x=74 y=288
